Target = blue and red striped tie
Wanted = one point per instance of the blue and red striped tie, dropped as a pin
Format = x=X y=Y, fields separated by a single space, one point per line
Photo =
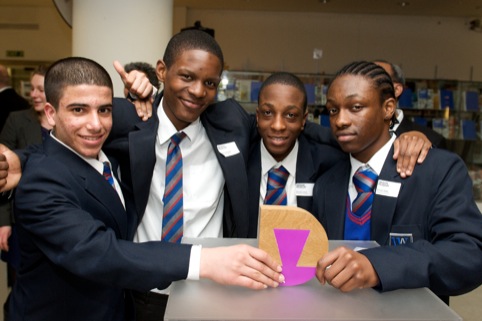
x=275 y=191
x=108 y=174
x=172 y=220
x=361 y=210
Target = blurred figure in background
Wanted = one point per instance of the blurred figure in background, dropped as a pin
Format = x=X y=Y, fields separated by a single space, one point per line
x=21 y=129
x=9 y=99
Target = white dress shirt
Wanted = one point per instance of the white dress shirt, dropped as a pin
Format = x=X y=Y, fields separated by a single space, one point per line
x=203 y=188
x=289 y=162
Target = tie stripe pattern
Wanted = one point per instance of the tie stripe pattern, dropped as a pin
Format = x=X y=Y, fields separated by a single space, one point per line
x=108 y=174
x=359 y=216
x=172 y=221
x=275 y=191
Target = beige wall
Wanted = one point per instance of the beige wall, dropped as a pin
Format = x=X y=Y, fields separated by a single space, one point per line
x=425 y=47
x=51 y=41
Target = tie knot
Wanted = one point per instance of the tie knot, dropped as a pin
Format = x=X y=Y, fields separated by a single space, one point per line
x=277 y=177
x=365 y=179
x=177 y=138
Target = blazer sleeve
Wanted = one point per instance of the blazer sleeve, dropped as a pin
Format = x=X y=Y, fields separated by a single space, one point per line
x=62 y=220
x=448 y=259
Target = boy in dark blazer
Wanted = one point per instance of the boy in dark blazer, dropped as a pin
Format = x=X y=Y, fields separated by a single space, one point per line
x=281 y=118
x=74 y=219
x=428 y=225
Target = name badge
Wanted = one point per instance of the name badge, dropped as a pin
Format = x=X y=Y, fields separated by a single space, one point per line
x=304 y=189
x=387 y=188
x=228 y=149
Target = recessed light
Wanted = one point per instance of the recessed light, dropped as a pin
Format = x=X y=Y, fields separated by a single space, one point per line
x=403 y=3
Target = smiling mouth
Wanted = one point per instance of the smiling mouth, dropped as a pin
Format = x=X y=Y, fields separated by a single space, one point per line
x=92 y=138
x=191 y=105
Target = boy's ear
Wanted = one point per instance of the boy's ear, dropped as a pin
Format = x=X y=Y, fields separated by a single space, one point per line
x=161 y=70
x=389 y=107
x=50 y=112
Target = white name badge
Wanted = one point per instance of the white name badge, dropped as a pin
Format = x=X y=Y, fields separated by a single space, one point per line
x=304 y=189
x=228 y=149
x=387 y=188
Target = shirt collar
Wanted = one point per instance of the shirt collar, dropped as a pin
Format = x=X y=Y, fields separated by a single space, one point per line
x=268 y=162
x=377 y=160
x=168 y=128
x=97 y=163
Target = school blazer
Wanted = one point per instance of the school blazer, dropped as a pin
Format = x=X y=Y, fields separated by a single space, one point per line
x=132 y=144
x=434 y=207
x=312 y=160
x=76 y=259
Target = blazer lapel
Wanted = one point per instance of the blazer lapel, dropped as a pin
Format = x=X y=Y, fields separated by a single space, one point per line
x=254 y=178
x=94 y=183
x=383 y=207
x=304 y=171
x=335 y=193
x=142 y=153
x=234 y=171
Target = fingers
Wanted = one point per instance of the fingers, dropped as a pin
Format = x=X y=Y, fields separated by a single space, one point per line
x=3 y=169
x=143 y=108
x=5 y=232
x=425 y=149
x=135 y=81
x=240 y=265
x=410 y=148
x=349 y=270
x=120 y=70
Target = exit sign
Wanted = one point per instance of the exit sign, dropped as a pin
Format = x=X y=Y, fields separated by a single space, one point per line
x=15 y=53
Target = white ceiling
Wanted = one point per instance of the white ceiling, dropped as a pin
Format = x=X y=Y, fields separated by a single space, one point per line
x=448 y=8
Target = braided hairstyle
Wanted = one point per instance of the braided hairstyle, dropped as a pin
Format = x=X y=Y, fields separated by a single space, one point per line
x=381 y=80
x=379 y=77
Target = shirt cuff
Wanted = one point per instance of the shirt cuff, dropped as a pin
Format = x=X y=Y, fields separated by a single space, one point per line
x=194 y=263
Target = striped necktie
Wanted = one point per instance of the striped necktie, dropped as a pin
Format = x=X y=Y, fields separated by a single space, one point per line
x=108 y=174
x=172 y=220
x=361 y=210
x=275 y=191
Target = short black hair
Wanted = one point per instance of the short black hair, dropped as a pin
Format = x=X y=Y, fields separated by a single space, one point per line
x=285 y=78
x=191 y=40
x=73 y=71
x=146 y=68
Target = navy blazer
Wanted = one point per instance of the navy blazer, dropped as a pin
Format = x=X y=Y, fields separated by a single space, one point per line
x=312 y=160
x=73 y=232
x=435 y=206
x=132 y=144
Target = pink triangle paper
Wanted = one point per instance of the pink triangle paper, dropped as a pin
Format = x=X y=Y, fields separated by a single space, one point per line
x=291 y=244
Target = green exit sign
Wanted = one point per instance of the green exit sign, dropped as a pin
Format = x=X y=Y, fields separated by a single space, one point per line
x=15 y=53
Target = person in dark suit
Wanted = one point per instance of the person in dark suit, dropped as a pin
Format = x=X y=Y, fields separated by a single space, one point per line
x=9 y=99
x=401 y=123
x=214 y=152
x=281 y=118
x=22 y=128
x=74 y=226
x=428 y=225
